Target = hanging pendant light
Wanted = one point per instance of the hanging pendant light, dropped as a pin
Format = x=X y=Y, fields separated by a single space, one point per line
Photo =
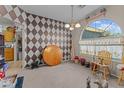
x=67 y=25
x=72 y=25
x=71 y=28
x=77 y=25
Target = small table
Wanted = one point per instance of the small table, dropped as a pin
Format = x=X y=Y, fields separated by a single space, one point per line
x=106 y=70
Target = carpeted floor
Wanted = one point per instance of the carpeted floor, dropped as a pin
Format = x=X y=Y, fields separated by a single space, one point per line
x=65 y=75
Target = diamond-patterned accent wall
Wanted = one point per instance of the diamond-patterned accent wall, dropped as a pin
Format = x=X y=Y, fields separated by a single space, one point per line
x=13 y=13
x=43 y=31
x=40 y=32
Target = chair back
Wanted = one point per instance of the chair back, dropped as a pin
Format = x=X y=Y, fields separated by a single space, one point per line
x=105 y=57
x=122 y=59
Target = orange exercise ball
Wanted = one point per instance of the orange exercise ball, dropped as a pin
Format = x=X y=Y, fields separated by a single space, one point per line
x=52 y=55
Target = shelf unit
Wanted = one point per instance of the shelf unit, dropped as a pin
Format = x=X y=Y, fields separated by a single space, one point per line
x=2 y=45
x=1 y=50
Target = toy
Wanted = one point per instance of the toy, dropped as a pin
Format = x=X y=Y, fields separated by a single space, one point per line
x=5 y=67
x=88 y=82
x=34 y=65
x=76 y=59
x=87 y=64
x=2 y=75
x=52 y=55
x=82 y=61
x=100 y=82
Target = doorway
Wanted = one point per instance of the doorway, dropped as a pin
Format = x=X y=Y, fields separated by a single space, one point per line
x=18 y=46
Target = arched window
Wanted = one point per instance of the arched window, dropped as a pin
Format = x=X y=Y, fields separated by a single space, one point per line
x=102 y=28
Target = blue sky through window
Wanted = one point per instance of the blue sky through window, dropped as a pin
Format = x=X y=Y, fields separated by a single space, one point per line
x=107 y=25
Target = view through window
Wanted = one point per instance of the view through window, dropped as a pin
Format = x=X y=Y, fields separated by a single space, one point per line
x=102 y=28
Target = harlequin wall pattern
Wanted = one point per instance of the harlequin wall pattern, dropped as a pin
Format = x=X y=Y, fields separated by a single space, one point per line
x=43 y=31
x=40 y=32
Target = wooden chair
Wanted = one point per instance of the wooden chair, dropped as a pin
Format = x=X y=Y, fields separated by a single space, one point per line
x=121 y=71
x=121 y=76
x=103 y=62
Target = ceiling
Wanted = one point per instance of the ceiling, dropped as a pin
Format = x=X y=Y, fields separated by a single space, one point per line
x=6 y=22
x=60 y=12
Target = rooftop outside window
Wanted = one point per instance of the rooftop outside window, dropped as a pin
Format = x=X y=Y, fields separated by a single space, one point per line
x=102 y=28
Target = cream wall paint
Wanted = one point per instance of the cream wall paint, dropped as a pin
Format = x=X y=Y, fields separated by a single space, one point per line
x=114 y=12
x=75 y=39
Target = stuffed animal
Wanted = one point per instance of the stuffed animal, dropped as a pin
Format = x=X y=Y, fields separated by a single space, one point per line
x=88 y=82
x=103 y=84
x=33 y=65
x=2 y=75
x=100 y=82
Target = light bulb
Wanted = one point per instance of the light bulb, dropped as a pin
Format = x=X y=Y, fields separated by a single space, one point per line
x=77 y=25
x=67 y=25
x=71 y=28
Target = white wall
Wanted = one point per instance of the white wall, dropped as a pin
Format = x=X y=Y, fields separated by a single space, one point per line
x=116 y=13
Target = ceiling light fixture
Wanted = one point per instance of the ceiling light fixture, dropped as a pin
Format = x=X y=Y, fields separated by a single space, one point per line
x=72 y=25
x=77 y=25
x=67 y=25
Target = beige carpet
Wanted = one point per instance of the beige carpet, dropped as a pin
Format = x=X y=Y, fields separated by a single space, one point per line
x=65 y=75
